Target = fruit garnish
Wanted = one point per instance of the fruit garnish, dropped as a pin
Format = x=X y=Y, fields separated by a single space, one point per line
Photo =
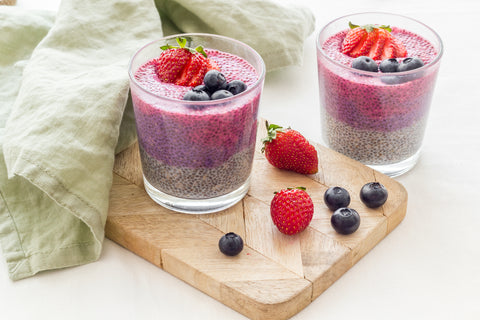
x=389 y=65
x=289 y=150
x=215 y=87
x=336 y=197
x=410 y=64
x=291 y=210
x=236 y=86
x=373 y=194
x=230 y=244
x=215 y=80
x=365 y=63
x=345 y=220
x=374 y=41
x=182 y=65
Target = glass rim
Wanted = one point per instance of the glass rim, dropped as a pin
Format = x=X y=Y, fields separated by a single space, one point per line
x=430 y=65
x=251 y=88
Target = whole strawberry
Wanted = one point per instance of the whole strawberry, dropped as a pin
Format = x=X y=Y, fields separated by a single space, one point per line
x=291 y=210
x=183 y=66
x=287 y=149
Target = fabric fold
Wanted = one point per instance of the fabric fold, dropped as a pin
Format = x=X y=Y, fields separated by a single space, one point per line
x=275 y=30
x=60 y=137
x=65 y=109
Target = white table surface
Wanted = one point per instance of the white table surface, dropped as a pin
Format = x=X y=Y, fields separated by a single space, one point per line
x=427 y=268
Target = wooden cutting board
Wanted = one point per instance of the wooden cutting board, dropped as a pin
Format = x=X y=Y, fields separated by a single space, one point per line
x=276 y=275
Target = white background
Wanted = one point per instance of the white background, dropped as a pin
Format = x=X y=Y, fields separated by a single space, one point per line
x=427 y=268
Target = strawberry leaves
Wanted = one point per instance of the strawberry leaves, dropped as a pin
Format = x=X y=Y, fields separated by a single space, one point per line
x=370 y=27
x=182 y=43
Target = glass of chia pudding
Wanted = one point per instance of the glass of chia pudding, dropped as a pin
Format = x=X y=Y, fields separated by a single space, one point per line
x=377 y=116
x=196 y=155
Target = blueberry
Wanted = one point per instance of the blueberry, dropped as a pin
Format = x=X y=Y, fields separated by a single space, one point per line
x=214 y=80
x=410 y=64
x=365 y=63
x=230 y=244
x=336 y=197
x=201 y=87
x=389 y=65
x=345 y=220
x=391 y=80
x=221 y=94
x=373 y=194
x=193 y=95
x=236 y=86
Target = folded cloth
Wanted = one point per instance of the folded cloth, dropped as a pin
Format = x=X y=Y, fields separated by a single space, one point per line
x=275 y=30
x=65 y=112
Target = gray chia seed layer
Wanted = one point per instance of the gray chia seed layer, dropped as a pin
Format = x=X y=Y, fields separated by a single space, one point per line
x=200 y=182
x=373 y=147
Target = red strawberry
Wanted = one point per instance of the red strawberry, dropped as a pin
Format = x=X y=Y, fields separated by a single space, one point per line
x=377 y=48
x=182 y=65
x=194 y=71
x=353 y=38
x=399 y=48
x=374 y=41
x=288 y=149
x=291 y=210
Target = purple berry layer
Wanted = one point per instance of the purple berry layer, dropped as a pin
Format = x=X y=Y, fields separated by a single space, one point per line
x=197 y=151
x=374 y=102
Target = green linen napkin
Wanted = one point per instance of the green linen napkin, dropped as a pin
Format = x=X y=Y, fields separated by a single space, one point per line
x=65 y=112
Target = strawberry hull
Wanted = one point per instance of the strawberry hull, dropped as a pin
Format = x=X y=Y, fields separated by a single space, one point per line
x=376 y=118
x=196 y=151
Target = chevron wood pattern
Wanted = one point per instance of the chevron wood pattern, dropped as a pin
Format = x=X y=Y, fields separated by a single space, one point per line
x=275 y=276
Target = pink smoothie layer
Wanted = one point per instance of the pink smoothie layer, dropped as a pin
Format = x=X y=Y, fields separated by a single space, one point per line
x=174 y=133
x=384 y=101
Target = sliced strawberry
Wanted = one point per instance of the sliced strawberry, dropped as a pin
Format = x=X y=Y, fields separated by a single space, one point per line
x=388 y=50
x=377 y=48
x=353 y=38
x=183 y=66
x=171 y=63
x=363 y=48
x=193 y=72
x=374 y=41
x=398 y=48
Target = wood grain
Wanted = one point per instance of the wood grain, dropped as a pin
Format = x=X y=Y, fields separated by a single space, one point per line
x=275 y=276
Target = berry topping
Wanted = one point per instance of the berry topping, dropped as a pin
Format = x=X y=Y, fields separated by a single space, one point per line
x=373 y=194
x=215 y=80
x=336 y=197
x=230 y=244
x=201 y=87
x=365 y=63
x=287 y=149
x=236 y=86
x=389 y=65
x=215 y=86
x=182 y=65
x=291 y=210
x=345 y=220
x=410 y=64
x=221 y=94
x=374 y=41
x=194 y=95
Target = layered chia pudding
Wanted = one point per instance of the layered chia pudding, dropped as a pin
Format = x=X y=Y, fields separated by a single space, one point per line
x=377 y=117
x=197 y=155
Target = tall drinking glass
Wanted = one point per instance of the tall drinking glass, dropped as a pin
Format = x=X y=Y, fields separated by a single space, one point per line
x=377 y=118
x=197 y=155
